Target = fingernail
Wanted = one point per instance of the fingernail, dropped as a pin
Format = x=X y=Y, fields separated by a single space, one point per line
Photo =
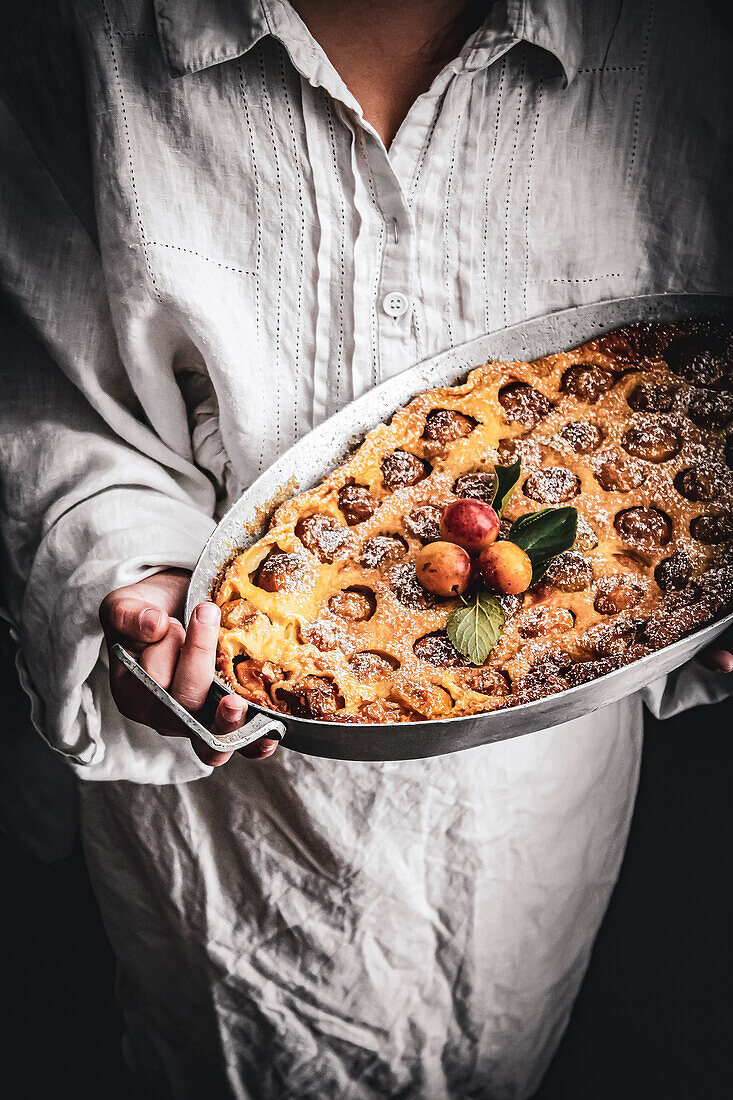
x=150 y=621
x=208 y=614
x=233 y=708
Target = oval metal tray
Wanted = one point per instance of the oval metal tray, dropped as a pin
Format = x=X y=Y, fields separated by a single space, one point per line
x=318 y=453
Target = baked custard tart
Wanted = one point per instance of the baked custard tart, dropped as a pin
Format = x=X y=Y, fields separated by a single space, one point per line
x=531 y=529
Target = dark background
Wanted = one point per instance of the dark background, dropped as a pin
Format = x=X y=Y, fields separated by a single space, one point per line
x=653 y=1016
x=652 y=1021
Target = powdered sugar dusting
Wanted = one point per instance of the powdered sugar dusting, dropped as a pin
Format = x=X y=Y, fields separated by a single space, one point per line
x=553 y=485
x=580 y=436
x=380 y=549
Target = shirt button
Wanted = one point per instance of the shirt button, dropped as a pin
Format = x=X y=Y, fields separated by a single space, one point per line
x=395 y=304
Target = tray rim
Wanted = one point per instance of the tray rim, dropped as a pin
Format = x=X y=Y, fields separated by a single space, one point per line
x=682 y=305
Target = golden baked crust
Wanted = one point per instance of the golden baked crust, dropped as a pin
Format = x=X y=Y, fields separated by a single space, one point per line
x=324 y=617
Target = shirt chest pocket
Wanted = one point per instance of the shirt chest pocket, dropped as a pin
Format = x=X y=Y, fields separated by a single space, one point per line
x=214 y=179
x=196 y=189
x=582 y=209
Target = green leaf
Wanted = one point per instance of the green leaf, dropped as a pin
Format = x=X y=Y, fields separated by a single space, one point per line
x=506 y=482
x=543 y=535
x=475 y=629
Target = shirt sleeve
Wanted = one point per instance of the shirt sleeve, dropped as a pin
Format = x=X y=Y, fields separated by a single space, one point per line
x=82 y=513
x=687 y=687
x=91 y=497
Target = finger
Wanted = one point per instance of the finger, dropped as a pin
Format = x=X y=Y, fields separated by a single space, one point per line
x=259 y=750
x=208 y=755
x=132 y=619
x=132 y=699
x=136 y=702
x=195 y=668
x=717 y=660
x=159 y=660
x=230 y=715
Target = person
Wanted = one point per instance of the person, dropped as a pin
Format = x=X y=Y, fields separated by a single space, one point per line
x=209 y=211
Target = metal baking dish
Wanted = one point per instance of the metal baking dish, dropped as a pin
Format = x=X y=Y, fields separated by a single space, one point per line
x=318 y=453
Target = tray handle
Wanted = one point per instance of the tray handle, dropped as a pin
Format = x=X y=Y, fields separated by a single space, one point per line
x=256 y=727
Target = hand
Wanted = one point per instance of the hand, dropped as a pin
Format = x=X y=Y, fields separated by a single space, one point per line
x=717 y=660
x=146 y=618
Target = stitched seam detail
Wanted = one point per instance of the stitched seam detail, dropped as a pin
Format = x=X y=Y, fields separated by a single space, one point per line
x=301 y=256
x=342 y=235
x=281 y=244
x=424 y=151
x=255 y=175
x=118 y=80
x=446 y=233
x=533 y=143
x=510 y=177
x=135 y=34
x=499 y=98
x=200 y=256
x=640 y=95
x=418 y=336
x=612 y=69
x=376 y=364
x=378 y=265
x=590 y=279
x=258 y=218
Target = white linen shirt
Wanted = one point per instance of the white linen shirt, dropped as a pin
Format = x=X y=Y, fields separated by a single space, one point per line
x=205 y=249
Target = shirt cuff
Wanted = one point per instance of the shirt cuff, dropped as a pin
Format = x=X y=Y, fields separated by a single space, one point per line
x=60 y=660
x=687 y=687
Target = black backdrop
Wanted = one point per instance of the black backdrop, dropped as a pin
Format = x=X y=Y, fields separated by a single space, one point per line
x=653 y=1018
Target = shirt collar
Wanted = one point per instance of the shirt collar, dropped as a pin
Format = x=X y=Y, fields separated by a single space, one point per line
x=196 y=34
x=553 y=25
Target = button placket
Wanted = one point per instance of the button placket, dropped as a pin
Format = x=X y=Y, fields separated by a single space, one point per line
x=397 y=287
x=393 y=288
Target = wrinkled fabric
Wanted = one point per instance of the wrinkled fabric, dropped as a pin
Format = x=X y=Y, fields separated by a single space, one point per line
x=198 y=232
x=415 y=929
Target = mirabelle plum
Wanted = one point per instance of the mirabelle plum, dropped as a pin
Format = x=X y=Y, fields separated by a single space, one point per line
x=471 y=524
x=443 y=568
x=504 y=567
